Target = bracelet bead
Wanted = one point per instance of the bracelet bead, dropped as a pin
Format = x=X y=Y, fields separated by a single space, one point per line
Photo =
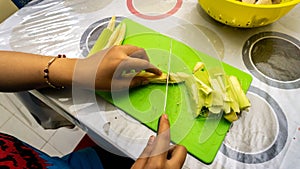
x=46 y=72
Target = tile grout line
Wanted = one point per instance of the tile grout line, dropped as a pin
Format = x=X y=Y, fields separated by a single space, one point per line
x=5 y=122
x=4 y=107
x=28 y=123
x=61 y=153
x=48 y=143
x=8 y=118
x=31 y=127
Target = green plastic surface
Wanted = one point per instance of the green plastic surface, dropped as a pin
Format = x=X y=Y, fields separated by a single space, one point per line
x=202 y=137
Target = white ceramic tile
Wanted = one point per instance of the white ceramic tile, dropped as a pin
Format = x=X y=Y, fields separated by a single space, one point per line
x=7 y=103
x=65 y=140
x=26 y=118
x=16 y=128
x=45 y=134
x=5 y=115
x=51 y=151
x=14 y=99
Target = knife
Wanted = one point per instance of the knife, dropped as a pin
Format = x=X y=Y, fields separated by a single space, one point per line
x=168 y=75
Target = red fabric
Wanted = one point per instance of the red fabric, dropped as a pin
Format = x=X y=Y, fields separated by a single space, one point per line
x=14 y=154
x=85 y=142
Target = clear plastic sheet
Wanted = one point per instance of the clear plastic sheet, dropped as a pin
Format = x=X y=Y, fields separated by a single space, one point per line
x=47 y=27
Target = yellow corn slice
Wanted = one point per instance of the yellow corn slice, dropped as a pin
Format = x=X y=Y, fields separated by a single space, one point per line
x=114 y=36
x=102 y=40
x=121 y=35
x=153 y=78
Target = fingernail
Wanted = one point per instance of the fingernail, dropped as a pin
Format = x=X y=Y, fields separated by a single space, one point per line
x=151 y=140
x=165 y=116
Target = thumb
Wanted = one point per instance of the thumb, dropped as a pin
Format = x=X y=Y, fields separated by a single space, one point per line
x=138 y=81
x=142 y=160
x=127 y=83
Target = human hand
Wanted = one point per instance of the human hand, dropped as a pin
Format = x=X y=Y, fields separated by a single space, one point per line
x=158 y=153
x=111 y=64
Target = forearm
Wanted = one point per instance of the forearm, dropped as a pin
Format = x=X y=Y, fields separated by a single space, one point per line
x=23 y=71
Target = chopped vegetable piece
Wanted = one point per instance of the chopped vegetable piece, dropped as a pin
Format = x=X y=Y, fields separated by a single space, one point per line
x=216 y=94
x=112 y=23
x=121 y=35
x=196 y=98
x=241 y=96
x=203 y=87
x=198 y=66
x=115 y=36
x=110 y=36
x=153 y=78
x=231 y=116
x=101 y=42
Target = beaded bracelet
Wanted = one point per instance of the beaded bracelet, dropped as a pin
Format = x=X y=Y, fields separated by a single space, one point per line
x=46 y=72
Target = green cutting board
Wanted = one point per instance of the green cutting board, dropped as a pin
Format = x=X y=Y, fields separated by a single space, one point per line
x=202 y=137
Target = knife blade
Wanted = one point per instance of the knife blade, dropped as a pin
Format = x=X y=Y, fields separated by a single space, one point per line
x=168 y=75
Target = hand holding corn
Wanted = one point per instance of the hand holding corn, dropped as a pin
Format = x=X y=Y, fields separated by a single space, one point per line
x=106 y=68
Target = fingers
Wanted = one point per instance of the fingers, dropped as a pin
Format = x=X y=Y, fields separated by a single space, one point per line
x=138 y=65
x=142 y=160
x=164 y=125
x=138 y=60
x=132 y=51
x=157 y=153
x=178 y=155
x=140 y=54
x=122 y=84
x=154 y=70
x=147 y=151
x=162 y=141
x=123 y=59
x=138 y=81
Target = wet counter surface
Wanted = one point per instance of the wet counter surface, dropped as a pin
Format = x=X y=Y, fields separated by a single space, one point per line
x=268 y=136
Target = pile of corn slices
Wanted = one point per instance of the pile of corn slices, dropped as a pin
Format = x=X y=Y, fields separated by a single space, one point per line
x=110 y=36
x=222 y=94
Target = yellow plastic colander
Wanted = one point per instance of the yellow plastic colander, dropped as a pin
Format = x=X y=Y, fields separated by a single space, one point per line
x=244 y=15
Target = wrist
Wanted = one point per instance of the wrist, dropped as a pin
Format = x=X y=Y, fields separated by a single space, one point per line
x=60 y=72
